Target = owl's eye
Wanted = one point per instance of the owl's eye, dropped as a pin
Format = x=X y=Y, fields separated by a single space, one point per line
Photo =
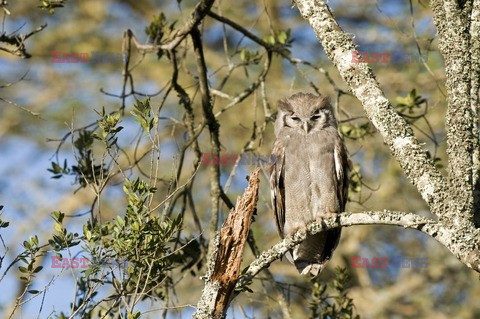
x=295 y=118
x=315 y=117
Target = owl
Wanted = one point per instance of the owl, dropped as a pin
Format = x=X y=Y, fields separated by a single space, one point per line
x=309 y=179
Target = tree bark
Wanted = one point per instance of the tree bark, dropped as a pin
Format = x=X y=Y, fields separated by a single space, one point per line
x=226 y=257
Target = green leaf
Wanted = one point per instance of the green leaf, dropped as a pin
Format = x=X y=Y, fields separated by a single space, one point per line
x=23 y=269
x=243 y=55
x=58 y=227
x=88 y=234
x=34 y=239
x=27 y=245
x=136 y=315
x=282 y=37
x=120 y=221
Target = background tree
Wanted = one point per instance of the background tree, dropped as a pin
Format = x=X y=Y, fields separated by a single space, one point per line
x=203 y=77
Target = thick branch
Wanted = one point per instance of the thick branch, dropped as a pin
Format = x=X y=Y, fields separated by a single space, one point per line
x=461 y=118
x=406 y=220
x=395 y=131
x=475 y=101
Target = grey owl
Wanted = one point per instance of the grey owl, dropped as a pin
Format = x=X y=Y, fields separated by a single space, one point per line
x=309 y=179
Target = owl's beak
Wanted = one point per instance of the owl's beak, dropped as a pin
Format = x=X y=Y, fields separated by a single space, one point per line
x=306 y=127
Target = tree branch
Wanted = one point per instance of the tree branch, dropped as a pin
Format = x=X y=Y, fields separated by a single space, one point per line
x=461 y=119
x=269 y=47
x=196 y=17
x=475 y=101
x=225 y=260
x=213 y=127
x=275 y=48
x=250 y=89
x=18 y=41
x=406 y=220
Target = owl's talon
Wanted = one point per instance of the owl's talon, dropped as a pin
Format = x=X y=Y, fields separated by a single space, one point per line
x=295 y=229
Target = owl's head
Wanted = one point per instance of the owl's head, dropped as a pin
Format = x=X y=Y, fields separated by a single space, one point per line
x=305 y=113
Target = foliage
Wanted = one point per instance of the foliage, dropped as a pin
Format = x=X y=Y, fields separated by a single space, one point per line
x=356 y=131
x=108 y=123
x=410 y=103
x=51 y=5
x=330 y=300
x=144 y=116
x=85 y=171
x=158 y=30
x=281 y=39
x=142 y=241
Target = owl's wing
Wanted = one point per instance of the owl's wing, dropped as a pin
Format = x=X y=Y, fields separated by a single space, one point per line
x=277 y=185
x=342 y=171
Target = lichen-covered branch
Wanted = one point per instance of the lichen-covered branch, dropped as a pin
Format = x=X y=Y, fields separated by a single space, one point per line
x=475 y=101
x=395 y=131
x=461 y=119
x=406 y=220
x=225 y=260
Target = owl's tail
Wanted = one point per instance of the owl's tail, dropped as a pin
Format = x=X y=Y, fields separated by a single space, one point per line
x=313 y=254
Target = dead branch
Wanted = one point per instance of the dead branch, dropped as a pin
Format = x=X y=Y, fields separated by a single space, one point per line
x=225 y=260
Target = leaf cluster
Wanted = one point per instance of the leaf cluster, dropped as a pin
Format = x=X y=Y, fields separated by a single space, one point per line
x=331 y=301
x=142 y=111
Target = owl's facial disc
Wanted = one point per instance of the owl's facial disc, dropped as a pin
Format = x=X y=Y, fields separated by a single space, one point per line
x=317 y=120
